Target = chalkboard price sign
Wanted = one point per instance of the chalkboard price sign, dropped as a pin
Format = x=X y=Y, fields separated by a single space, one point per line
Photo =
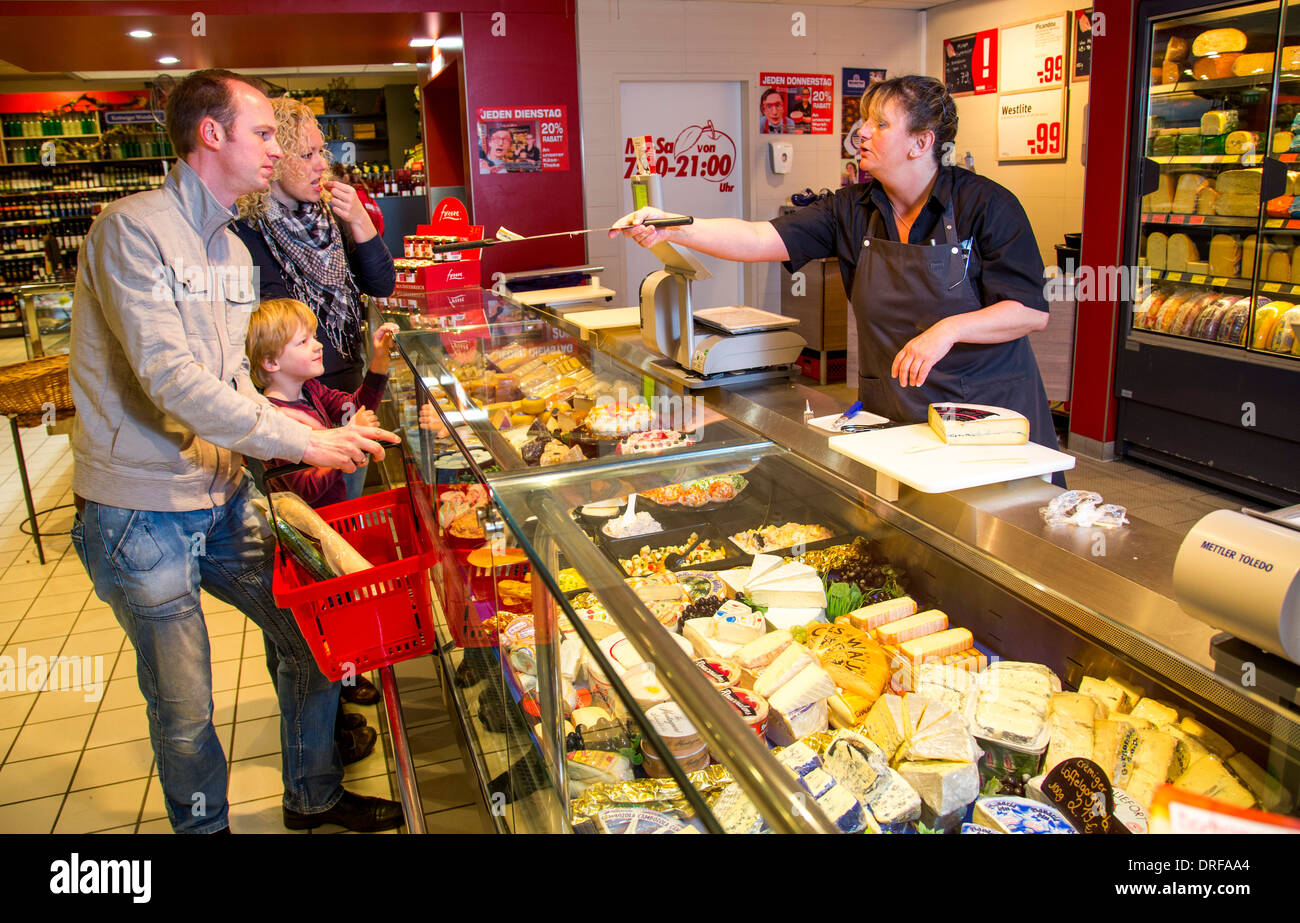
x=970 y=63
x=1080 y=790
x=1082 y=44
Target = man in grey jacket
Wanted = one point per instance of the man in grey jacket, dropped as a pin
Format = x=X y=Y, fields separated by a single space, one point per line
x=165 y=411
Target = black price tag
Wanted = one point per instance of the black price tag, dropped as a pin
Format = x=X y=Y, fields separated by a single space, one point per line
x=1080 y=790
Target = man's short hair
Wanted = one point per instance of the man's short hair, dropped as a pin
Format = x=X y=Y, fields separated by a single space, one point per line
x=272 y=326
x=203 y=94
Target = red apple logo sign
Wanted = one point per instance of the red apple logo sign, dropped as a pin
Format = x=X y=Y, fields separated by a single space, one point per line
x=703 y=151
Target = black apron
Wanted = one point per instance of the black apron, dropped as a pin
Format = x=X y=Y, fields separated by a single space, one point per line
x=900 y=290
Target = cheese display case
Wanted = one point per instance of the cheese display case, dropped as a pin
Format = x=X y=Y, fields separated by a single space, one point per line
x=1214 y=231
x=715 y=627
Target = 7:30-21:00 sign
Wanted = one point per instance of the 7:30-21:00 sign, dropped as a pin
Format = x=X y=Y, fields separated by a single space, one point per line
x=1047 y=138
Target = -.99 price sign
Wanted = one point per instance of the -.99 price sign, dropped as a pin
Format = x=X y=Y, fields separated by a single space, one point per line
x=1031 y=126
x=1052 y=71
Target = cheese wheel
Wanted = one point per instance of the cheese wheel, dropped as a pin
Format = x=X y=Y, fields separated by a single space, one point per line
x=1185 y=192
x=1264 y=319
x=1290 y=57
x=1177 y=49
x=1249 y=64
x=1281 y=142
x=1218 y=41
x=1279 y=207
x=1282 y=339
x=1150 y=304
x=1207 y=325
x=1157 y=247
x=1279 y=266
x=1181 y=249
x=1232 y=329
x=1241 y=142
x=1248 y=255
x=1206 y=200
x=1170 y=72
x=1191 y=310
x=1214 y=69
x=1169 y=309
x=1237 y=204
x=1225 y=255
x=1239 y=182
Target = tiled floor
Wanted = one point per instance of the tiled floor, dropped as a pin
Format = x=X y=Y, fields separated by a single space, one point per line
x=80 y=762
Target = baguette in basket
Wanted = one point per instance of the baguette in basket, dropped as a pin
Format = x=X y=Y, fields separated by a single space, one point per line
x=341 y=557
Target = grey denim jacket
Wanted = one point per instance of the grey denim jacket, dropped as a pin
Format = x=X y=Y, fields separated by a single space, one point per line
x=165 y=405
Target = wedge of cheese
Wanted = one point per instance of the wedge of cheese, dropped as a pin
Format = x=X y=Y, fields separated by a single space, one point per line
x=895 y=802
x=1239 y=182
x=1156 y=250
x=1162 y=199
x=1279 y=266
x=810 y=685
x=1225 y=255
x=1072 y=721
x=885 y=724
x=1107 y=736
x=1210 y=778
x=1267 y=791
x=1156 y=712
x=785 y=617
x=1181 y=249
x=869 y=618
x=1212 y=741
x=914 y=626
x=1177 y=49
x=939 y=734
x=857 y=763
x=944 y=786
x=699 y=632
x=789 y=664
x=1187 y=750
x=1132 y=694
x=790 y=586
x=1109 y=695
x=1189 y=184
x=1218 y=41
x=784 y=728
x=978 y=424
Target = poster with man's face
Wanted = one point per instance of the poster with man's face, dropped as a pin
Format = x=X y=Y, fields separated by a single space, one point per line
x=522 y=140
x=795 y=104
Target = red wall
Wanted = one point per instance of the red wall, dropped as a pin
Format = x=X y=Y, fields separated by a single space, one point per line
x=1092 y=400
x=534 y=64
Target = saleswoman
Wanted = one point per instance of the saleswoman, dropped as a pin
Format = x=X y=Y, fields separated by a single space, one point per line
x=945 y=275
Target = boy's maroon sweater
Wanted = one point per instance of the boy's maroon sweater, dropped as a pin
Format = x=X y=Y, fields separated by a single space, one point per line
x=324 y=408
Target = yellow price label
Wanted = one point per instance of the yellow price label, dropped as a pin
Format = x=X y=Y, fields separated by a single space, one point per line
x=1197 y=280
x=1271 y=287
x=1218 y=280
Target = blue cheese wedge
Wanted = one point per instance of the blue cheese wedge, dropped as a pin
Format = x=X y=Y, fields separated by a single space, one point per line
x=978 y=424
x=735 y=812
x=818 y=782
x=783 y=729
x=843 y=810
x=895 y=802
x=799 y=758
x=856 y=763
x=944 y=787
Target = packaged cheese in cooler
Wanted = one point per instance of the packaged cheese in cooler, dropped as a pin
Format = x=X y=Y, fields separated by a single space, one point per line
x=944 y=787
x=1239 y=182
x=895 y=802
x=1189 y=184
x=1170 y=72
x=1206 y=200
x=799 y=758
x=758 y=654
x=782 y=617
x=1218 y=41
x=1162 y=199
x=1264 y=318
x=1281 y=142
x=1181 y=249
x=1290 y=57
x=1215 y=68
x=791 y=661
x=1237 y=205
x=843 y=810
x=857 y=763
x=810 y=685
x=1219 y=122
x=1177 y=49
x=933 y=647
x=1212 y=741
x=914 y=626
x=784 y=728
x=1155 y=712
x=1242 y=142
x=1248 y=64
x=1156 y=249
x=1072 y=722
x=1208 y=777
x=869 y=618
x=1225 y=255
x=1269 y=792
x=1132 y=694
x=1108 y=694
x=1279 y=266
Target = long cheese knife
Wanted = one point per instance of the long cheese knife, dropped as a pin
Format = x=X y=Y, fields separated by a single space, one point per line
x=490 y=241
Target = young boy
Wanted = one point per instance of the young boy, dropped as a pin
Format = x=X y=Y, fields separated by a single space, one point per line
x=285 y=360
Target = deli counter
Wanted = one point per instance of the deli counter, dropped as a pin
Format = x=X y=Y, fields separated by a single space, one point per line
x=763 y=643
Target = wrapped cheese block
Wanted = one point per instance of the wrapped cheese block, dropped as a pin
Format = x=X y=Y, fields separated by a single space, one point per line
x=1169 y=309
x=1279 y=207
x=1225 y=255
x=1218 y=41
x=1241 y=142
x=1170 y=71
x=1215 y=68
x=1181 y=249
x=1219 y=121
x=1248 y=64
x=1186 y=319
x=1214 y=144
x=1248 y=254
x=1237 y=205
x=1232 y=327
x=1206 y=327
x=1281 y=142
x=1177 y=49
x=1149 y=308
x=1264 y=319
x=1162 y=200
x=1072 y=721
x=1278 y=268
x=1205 y=201
x=1239 y=182
x=1165 y=142
x=1186 y=189
x=1151 y=762
x=1267 y=791
x=1283 y=339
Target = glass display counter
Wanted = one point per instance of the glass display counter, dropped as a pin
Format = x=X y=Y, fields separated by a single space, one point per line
x=761 y=643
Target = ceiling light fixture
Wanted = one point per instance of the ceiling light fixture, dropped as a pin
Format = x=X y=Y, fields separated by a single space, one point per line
x=421 y=43
x=450 y=43
x=168 y=59
x=140 y=33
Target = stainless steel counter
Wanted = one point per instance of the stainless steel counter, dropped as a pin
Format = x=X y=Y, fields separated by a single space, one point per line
x=1114 y=587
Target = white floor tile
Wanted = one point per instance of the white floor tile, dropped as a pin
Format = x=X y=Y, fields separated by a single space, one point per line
x=102 y=808
x=116 y=763
x=258 y=737
x=223 y=707
x=67 y=735
x=14 y=708
x=122 y=693
x=225 y=647
x=264 y=815
x=255 y=779
x=35 y=816
x=48 y=775
x=53 y=705
x=158 y=827
x=225 y=622
x=257 y=702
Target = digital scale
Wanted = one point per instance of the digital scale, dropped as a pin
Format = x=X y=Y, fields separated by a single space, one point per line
x=724 y=346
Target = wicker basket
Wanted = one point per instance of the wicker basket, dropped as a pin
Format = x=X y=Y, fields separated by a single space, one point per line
x=27 y=389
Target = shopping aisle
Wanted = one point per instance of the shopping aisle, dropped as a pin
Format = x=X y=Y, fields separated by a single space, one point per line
x=79 y=760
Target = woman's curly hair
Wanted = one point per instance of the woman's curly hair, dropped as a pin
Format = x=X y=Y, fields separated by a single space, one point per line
x=292 y=119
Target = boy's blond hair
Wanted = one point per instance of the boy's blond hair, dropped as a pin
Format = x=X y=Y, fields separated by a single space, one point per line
x=270 y=329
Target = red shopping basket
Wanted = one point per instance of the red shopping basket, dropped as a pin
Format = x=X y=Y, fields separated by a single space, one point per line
x=376 y=617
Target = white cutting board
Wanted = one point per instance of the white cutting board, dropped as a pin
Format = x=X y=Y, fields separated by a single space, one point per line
x=573 y=294
x=915 y=456
x=604 y=319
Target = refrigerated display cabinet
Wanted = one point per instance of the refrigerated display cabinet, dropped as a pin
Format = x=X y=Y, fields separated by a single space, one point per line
x=542 y=614
x=1209 y=364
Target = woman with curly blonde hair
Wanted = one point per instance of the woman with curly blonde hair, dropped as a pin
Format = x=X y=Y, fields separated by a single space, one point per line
x=312 y=240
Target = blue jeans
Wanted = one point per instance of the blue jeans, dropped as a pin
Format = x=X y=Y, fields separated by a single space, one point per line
x=149 y=567
x=356 y=481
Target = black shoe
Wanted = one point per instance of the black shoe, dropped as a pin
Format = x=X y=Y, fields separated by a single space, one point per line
x=355 y=812
x=349 y=721
x=355 y=745
x=362 y=693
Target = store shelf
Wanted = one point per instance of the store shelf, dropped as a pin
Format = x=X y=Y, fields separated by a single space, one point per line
x=1201 y=87
x=64 y=190
x=48 y=137
x=1213 y=221
x=1223 y=283
x=28 y=222
x=1203 y=160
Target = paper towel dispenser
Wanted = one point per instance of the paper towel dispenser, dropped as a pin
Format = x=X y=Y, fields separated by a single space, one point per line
x=1240 y=572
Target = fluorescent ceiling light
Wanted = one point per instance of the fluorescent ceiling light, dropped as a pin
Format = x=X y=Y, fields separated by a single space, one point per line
x=421 y=43
x=168 y=59
x=450 y=43
x=140 y=33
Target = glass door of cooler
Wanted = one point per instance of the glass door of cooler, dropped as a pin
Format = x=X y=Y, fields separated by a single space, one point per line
x=1213 y=117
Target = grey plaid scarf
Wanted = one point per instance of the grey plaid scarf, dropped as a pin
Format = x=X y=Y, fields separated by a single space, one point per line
x=309 y=248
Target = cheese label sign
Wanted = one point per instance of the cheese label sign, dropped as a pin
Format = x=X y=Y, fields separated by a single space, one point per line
x=1080 y=790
